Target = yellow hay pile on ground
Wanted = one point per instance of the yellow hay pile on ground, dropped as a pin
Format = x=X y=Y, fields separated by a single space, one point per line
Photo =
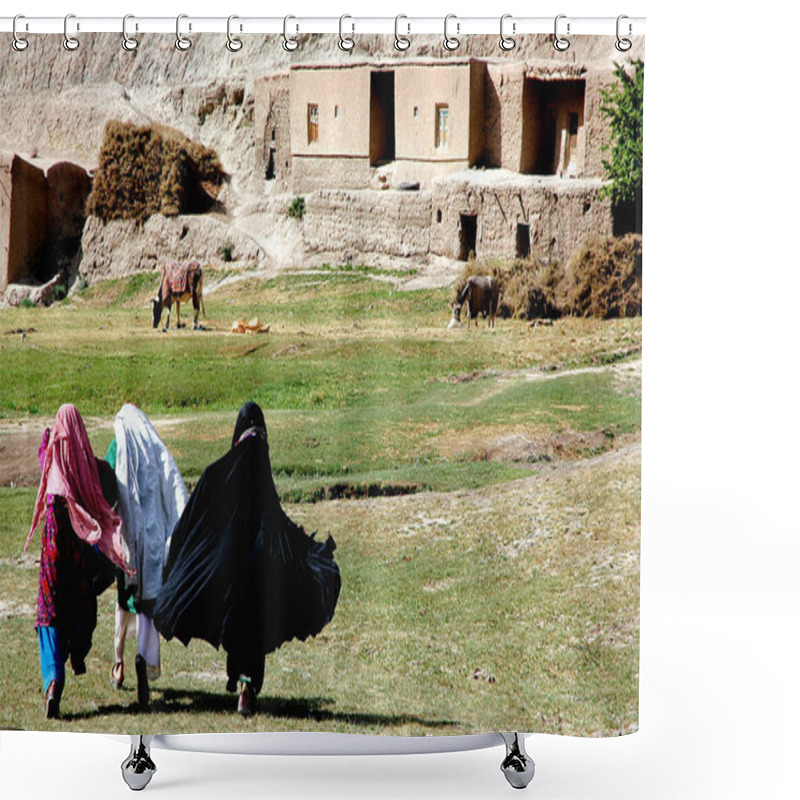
x=604 y=278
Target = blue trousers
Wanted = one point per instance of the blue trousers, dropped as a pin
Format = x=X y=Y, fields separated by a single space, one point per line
x=51 y=655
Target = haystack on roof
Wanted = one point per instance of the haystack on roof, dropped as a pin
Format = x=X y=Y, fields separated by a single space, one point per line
x=152 y=169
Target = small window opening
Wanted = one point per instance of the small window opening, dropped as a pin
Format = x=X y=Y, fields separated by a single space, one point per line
x=336 y=111
x=416 y=111
x=313 y=123
x=273 y=134
x=442 y=125
x=439 y=215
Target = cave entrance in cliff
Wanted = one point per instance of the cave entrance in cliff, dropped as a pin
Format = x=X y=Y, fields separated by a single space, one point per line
x=468 y=236
x=381 y=118
x=552 y=126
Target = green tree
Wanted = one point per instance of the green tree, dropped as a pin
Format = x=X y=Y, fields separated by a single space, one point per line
x=622 y=104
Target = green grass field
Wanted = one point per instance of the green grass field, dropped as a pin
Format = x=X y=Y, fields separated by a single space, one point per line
x=501 y=592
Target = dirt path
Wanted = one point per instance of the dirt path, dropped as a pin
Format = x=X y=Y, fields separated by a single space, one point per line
x=20 y=439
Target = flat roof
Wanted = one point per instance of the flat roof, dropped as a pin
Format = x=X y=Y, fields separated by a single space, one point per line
x=390 y=62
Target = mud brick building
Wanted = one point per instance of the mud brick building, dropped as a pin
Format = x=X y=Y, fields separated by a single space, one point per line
x=507 y=155
x=42 y=212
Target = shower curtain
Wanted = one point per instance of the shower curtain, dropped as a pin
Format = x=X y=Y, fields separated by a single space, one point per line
x=424 y=267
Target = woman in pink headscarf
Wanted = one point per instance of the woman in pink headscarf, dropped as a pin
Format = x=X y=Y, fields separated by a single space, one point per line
x=79 y=525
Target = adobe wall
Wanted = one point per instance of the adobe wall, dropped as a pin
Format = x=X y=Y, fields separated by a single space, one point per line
x=310 y=173
x=502 y=98
x=561 y=214
x=272 y=129
x=423 y=87
x=23 y=218
x=347 y=89
x=597 y=129
x=5 y=217
x=367 y=221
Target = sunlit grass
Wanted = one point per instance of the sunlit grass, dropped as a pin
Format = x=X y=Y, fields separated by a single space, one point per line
x=520 y=567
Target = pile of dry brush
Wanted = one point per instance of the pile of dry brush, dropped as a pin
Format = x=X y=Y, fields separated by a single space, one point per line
x=152 y=169
x=602 y=279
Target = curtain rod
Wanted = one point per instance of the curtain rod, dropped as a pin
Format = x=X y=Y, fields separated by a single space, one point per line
x=407 y=25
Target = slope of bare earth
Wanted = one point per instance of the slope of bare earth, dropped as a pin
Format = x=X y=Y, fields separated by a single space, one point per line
x=57 y=103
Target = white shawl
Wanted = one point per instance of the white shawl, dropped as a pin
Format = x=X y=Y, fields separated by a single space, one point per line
x=152 y=497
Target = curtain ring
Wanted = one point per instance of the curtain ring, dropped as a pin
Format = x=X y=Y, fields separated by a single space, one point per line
x=70 y=42
x=181 y=42
x=19 y=43
x=234 y=43
x=623 y=45
x=559 y=42
x=506 y=42
x=451 y=42
x=346 y=43
x=290 y=44
x=401 y=43
x=129 y=43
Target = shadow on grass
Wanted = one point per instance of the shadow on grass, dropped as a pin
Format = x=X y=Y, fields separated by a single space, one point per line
x=184 y=701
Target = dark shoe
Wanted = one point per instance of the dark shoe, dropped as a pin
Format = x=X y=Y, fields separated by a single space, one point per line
x=117 y=675
x=230 y=686
x=52 y=700
x=247 y=700
x=143 y=690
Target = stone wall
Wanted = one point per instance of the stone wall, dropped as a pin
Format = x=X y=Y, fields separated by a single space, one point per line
x=560 y=215
x=367 y=221
x=23 y=218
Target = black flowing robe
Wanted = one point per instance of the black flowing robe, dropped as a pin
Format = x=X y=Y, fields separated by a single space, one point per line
x=240 y=573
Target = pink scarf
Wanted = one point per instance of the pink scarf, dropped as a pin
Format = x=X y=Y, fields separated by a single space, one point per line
x=69 y=470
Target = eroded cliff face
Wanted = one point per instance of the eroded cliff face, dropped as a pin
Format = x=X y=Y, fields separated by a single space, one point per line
x=55 y=106
x=57 y=103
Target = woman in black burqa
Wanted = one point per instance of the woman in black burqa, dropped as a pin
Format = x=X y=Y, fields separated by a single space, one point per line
x=240 y=573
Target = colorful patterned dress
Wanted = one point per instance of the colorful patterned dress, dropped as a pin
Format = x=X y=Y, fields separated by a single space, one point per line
x=71 y=575
x=67 y=599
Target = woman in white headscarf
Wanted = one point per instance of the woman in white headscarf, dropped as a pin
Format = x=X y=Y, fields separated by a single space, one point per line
x=152 y=496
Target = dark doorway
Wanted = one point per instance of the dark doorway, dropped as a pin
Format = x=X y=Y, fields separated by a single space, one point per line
x=381 y=118
x=468 y=236
x=552 y=119
x=627 y=216
x=523 y=240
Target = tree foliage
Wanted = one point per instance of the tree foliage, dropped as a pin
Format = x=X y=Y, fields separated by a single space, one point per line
x=622 y=104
